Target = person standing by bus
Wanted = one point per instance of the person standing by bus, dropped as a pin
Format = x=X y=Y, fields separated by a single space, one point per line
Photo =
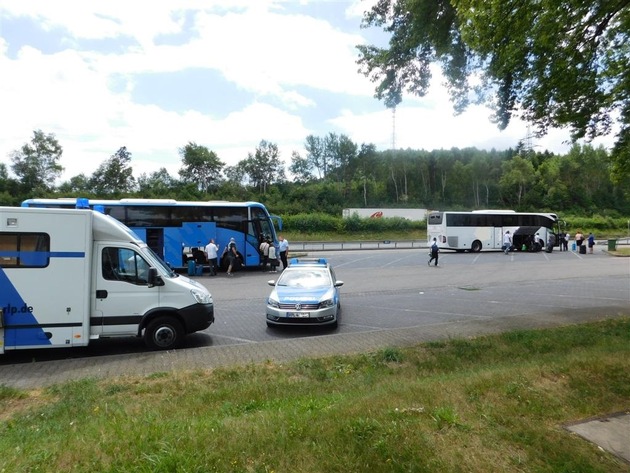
x=579 y=239
x=435 y=251
x=232 y=255
x=264 y=252
x=507 y=242
x=284 y=251
x=591 y=242
x=211 y=255
x=273 y=259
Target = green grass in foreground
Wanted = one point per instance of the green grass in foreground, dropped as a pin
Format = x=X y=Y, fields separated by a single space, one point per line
x=488 y=404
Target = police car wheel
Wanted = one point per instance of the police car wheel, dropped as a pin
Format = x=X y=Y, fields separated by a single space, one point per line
x=163 y=333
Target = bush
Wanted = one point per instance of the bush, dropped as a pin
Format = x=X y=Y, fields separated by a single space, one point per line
x=321 y=223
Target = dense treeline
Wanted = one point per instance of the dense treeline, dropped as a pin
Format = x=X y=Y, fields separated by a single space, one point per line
x=337 y=173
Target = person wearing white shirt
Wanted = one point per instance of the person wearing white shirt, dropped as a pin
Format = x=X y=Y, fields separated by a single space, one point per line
x=283 y=248
x=507 y=242
x=212 y=256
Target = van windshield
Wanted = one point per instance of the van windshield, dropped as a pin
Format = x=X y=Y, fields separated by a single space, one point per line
x=157 y=263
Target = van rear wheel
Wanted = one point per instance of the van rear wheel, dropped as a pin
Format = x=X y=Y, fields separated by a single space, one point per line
x=163 y=333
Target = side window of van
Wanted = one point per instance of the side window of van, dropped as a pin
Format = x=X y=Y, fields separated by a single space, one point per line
x=24 y=250
x=123 y=264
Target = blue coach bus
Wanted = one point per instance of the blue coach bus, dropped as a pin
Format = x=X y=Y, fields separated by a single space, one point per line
x=177 y=230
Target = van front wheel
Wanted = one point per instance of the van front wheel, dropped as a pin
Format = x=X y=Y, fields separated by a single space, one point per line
x=163 y=333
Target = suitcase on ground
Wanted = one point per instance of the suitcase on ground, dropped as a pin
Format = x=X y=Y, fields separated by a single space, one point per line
x=582 y=249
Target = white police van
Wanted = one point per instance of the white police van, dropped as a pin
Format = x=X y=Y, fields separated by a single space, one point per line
x=68 y=276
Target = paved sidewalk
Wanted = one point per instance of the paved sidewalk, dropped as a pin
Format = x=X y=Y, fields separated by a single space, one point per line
x=46 y=373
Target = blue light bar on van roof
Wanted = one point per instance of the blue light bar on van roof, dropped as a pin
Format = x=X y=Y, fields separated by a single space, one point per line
x=308 y=261
x=83 y=203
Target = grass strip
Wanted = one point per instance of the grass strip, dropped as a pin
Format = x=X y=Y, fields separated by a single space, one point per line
x=494 y=403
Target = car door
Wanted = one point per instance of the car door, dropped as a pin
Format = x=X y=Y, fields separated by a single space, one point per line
x=122 y=295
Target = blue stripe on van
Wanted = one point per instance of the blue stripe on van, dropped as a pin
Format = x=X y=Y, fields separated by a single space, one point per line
x=44 y=254
x=17 y=313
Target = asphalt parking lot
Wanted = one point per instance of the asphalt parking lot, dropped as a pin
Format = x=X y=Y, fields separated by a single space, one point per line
x=389 y=298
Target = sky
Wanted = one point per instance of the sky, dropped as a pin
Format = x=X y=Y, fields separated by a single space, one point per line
x=225 y=74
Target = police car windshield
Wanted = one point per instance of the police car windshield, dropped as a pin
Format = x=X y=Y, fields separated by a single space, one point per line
x=305 y=277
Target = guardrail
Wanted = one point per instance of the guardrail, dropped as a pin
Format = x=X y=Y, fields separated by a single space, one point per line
x=356 y=245
x=381 y=245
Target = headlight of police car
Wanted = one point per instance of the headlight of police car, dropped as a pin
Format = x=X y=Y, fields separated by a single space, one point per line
x=201 y=297
x=273 y=303
x=326 y=303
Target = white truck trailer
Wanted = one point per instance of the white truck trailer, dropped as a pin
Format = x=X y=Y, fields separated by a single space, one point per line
x=380 y=212
x=68 y=276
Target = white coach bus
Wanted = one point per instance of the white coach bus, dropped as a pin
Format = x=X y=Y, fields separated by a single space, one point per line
x=483 y=230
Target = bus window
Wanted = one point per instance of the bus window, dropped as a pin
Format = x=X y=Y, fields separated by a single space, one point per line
x=148 y=216
x=231 y=217
x=117 y=212
x=435 y=218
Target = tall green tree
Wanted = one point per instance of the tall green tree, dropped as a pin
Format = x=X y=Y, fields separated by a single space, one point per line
x=79 y=185
x=36 y=164
x=157 y=184
x=8 y=187
x=342 y=153
x=114 y=176
x=316 y=155
x=365 y=173
x=556 y=63
x=264 y=167
x=518 y=176
x=301 y=168
x=200 y=166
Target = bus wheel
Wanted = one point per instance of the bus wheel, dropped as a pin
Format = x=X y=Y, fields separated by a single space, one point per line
x=163 y=333
x=476 y=246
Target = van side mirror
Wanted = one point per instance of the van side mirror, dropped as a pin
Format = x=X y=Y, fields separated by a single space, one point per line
x=153 y=279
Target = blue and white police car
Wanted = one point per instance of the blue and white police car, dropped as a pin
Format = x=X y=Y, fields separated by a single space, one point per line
x=307 y=293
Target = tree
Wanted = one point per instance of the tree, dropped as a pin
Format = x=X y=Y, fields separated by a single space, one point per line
x=518 y=175
x=159 y=183
x=366 y=164
x=200 y=166
x=8 y=188
x=114 y=176
x=558 y=63
x=264 y=167
x=235 y=174
x=316 y=155
x=77 y=185
x=341 y=152
x=301 y=168
x=37 y=164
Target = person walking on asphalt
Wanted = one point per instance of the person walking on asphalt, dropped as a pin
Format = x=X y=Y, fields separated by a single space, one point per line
x=435 y=250
x=507 y=242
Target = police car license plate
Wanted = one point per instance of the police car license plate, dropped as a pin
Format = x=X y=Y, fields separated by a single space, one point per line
x=298 y=314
